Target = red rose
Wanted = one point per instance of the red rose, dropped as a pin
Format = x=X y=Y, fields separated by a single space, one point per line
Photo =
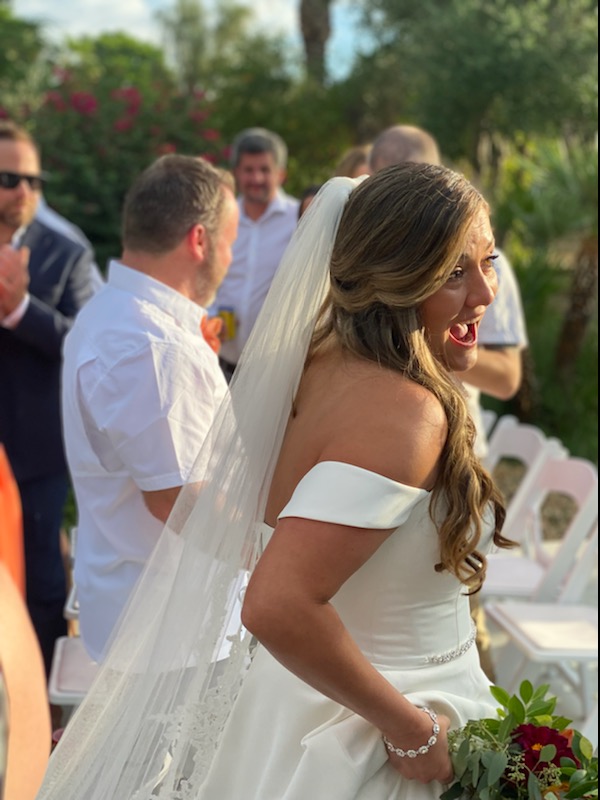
x=532 y=738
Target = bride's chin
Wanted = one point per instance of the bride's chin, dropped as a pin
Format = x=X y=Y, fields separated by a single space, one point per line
x=458 y=359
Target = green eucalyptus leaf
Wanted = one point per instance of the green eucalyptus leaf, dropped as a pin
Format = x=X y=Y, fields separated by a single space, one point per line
x=453 y=793
x=496 y=767
x=578 y=776
x=587 y=788
x=547 y=753
x=474 y=765
x=533 y=788
x=459 y=761
x=585 y=748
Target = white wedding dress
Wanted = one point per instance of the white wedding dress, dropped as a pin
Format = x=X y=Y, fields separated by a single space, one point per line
x=286 y=741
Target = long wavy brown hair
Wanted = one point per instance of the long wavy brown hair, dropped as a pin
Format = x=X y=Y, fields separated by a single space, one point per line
x=400 y=237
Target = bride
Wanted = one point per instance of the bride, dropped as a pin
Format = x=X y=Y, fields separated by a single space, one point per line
x=343 y=481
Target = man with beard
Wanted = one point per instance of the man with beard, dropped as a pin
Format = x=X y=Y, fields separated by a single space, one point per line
x=268 y=218
x=141 y=384
x=45 y=278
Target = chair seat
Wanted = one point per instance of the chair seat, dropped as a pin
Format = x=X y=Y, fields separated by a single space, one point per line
x=72 y=672
x=512 y=576
x=549 y=632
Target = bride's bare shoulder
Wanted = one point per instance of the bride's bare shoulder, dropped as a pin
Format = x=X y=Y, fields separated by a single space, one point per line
x=361 y=413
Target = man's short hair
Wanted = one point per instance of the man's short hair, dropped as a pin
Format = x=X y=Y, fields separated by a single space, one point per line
x=402 y=143
x=11 y=132
x=168 y=198
x=259 y=140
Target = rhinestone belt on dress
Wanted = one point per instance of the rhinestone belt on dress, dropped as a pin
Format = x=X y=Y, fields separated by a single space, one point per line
x=456 y=652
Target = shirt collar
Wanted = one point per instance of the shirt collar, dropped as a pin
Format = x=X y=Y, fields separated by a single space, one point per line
x=17 y=237
x=187 y=313
x=276 y=206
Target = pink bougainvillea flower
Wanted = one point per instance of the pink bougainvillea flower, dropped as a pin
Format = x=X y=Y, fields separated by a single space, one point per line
x=123 y=124
x=84 y=103
x=56 y=100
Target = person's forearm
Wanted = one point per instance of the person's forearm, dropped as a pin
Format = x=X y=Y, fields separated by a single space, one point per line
x=311 y=641
x=497 y=373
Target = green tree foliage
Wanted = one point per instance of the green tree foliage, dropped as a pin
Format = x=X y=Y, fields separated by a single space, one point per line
x=479 y=68
x=547 y=202
x=203 y=48
x=109 y=108
x=21 y=43
x=253 y=79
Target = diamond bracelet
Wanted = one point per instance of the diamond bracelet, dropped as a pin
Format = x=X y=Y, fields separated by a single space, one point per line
x=425 y=748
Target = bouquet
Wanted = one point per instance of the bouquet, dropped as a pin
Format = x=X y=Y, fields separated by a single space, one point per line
x=525 y=753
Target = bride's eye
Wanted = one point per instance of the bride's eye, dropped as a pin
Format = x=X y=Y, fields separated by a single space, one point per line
x=456 y=274
x=488 y=261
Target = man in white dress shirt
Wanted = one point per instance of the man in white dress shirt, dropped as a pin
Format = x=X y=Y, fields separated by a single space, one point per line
x=141 y=385
x=268 y=218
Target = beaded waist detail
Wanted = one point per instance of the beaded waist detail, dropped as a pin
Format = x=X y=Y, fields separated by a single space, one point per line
x=456 y=652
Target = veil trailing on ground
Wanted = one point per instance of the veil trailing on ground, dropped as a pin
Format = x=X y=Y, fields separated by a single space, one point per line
x=154 y=716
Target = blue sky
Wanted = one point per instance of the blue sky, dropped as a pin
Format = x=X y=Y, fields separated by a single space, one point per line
x=92 y=17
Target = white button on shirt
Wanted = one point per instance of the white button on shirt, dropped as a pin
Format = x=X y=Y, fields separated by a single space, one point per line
x=140 y=391
x=257 y=251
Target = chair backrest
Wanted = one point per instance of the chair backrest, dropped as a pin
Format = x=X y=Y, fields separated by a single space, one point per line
x=589 y=728
x=529 y=446
x=488 y=419
x=584 y=574
x=576 y=478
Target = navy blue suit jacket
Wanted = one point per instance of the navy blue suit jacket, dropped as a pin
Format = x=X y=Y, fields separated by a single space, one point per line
x=31 y=354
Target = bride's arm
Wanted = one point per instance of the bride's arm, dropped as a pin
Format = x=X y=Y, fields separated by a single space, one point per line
x=287 y=608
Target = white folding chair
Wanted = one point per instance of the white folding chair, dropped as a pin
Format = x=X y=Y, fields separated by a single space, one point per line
x=589 y=728
x=559 y=637
x=528 y=446
x=488 y=418
x=72 y=672
x=71 y=609
x=561 y=640
x=541 y=575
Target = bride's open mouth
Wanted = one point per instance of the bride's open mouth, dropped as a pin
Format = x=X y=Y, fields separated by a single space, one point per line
x=464 y=334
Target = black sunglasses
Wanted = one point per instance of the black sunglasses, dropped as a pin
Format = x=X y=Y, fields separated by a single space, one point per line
x=10 y=180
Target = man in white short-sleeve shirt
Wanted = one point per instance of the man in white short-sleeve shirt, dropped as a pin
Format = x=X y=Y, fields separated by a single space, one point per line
x=502 y=337
x=141 y=385
x=268 y=218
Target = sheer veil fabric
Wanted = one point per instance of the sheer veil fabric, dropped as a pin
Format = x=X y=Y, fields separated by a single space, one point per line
x=154 y=716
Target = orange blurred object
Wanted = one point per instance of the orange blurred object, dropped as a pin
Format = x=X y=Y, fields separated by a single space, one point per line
x=11 y=524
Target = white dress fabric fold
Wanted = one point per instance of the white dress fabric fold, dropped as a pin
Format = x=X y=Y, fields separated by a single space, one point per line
x=285 y=740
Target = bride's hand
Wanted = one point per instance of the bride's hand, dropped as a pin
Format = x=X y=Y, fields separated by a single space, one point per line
x=432 y=766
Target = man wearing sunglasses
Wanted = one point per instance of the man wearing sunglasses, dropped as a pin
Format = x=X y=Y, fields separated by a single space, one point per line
x=45 y=278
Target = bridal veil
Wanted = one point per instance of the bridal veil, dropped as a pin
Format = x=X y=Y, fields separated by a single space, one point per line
x=153 y=718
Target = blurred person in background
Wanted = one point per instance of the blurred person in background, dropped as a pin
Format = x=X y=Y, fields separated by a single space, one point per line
x=45 y=279
x=268 y=217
